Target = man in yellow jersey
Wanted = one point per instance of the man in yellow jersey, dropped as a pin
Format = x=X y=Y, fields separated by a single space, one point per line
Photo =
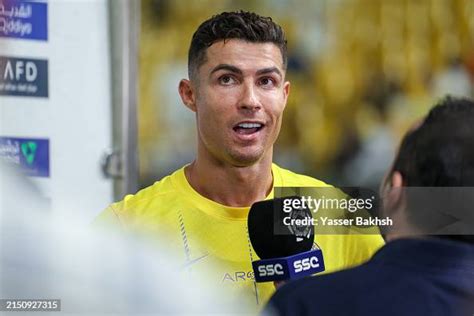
x=238 y=91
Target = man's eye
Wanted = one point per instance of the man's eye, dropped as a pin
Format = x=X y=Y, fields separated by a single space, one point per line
x=267 y=82
x=226 y=80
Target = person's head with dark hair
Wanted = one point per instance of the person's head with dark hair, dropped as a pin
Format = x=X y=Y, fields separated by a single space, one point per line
x=437 y=153
x=237 y=88
x=245 y=26
x=440 y=151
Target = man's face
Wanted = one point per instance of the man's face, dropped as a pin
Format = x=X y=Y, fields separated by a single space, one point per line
x=240 y=93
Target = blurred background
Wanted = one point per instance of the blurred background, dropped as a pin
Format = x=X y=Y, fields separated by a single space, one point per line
x=362 y=72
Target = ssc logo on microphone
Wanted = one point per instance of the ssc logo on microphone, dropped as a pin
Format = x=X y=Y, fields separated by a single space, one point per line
x=291 y=267
x=306 y=264
x=270 y=270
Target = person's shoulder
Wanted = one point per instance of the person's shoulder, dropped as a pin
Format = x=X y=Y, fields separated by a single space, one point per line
x=322 y=294
x=156 y=200
x=160 y=189
x=158 y=193
x=292 y=179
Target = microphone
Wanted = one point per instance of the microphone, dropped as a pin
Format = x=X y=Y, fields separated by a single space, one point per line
x=281 y=232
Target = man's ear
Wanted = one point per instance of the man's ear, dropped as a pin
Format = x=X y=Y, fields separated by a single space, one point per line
x=187 y=94
x=394 y=193
x=286 y=90
x=397 y=179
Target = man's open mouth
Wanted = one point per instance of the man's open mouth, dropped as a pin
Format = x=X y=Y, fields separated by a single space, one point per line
x=248 y=128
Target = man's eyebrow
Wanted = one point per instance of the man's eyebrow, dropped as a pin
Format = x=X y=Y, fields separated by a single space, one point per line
x=226 y=67
x=238 y=71
x=269 y=70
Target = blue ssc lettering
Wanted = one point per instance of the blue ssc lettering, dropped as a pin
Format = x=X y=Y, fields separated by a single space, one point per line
x=270 y=269
x=306 y=264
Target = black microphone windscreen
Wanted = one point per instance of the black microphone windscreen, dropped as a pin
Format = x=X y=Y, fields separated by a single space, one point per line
x=271 y=237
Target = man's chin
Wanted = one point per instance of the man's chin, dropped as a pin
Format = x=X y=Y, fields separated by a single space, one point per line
x=246 y=159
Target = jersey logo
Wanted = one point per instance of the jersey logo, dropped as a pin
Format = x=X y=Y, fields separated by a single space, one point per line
x=238 y=276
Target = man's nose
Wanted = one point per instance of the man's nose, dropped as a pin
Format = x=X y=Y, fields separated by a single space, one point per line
x=249 y=100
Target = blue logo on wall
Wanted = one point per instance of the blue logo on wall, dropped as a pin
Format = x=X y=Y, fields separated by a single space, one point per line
x=24 y=19
x=30 y=154
x=23 y=77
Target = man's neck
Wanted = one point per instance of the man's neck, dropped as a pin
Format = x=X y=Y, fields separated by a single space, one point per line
x=230 y=185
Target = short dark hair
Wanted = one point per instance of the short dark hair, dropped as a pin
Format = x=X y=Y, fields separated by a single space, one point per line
x=246 y=26
x=440 y=153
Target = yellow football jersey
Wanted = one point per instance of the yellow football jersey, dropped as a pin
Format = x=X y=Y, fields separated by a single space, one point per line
x=208 y=235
